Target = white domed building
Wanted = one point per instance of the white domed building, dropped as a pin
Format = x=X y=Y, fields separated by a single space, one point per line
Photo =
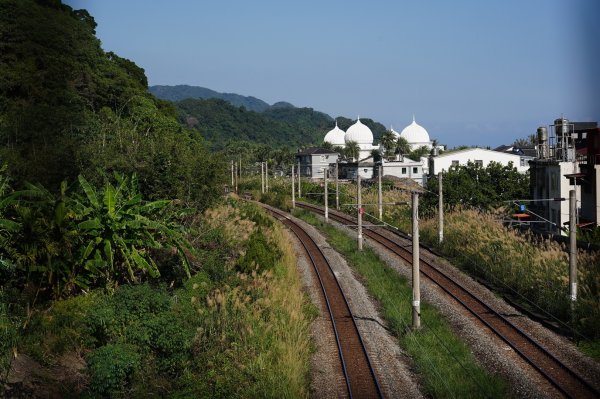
x=416 y=136
x=363 y=136
x=358 y=133
x=335 y=136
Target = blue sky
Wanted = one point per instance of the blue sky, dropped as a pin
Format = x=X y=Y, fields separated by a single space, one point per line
x=473 y=72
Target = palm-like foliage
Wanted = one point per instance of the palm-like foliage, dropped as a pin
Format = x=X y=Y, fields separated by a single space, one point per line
x=86 y=239
x=352 y=150
x=402 y=146
x=389 y=143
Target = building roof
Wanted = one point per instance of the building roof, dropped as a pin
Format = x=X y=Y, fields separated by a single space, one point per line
x=359 y=133
x=315 y=151
x=415 y=133
x=335 y=136
x=452 y=153
x=528 y=151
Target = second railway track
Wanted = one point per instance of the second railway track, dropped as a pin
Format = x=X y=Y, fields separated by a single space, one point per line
x=566 y=380
x=361 y=381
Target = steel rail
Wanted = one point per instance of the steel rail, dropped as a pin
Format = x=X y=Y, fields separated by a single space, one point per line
x=575 y=387
x=360 y=388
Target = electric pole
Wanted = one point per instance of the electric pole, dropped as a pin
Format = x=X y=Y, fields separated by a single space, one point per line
x=379 y=194
x=440 y=210
x=293 y=188
x=236 y=179
x=267 y=176
x=325 y=172
x=262 y=177
x=360 y=210
x=572 y=248
x=416 y=303
x=337 y=187
x=299 y=185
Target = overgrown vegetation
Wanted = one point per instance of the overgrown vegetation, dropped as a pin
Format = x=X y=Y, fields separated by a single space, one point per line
x=533 y=270
x=443 y=360
x=239 y=327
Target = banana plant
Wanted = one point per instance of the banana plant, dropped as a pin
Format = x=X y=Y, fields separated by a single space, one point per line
x=121 y=229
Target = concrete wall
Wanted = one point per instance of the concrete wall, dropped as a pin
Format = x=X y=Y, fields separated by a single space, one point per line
x=443 y=162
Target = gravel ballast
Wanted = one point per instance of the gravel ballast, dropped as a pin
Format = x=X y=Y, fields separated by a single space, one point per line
x=392 y=366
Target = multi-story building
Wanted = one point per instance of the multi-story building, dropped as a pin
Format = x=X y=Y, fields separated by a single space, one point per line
x=562 y=166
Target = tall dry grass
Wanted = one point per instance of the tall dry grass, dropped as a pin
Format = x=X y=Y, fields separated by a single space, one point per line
x=537 y=269
x=260 y=320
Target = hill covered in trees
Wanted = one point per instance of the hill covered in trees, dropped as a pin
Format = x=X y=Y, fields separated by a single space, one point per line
x=221 y=118
x=183 y=92
x=220 y=122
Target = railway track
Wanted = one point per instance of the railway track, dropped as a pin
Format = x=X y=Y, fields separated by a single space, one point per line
x=566 y=380
x=361 y=381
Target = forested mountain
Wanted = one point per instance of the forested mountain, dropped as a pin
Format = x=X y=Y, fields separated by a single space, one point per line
x=67 y=107
x=219 y=122
x=183 y=92
x=281 y=124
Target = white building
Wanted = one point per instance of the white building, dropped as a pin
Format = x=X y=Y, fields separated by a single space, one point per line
x=416 y=136
x=478 y=156
x=404 y=168
x=313 y=161
x=358 y=133
x=548 y=181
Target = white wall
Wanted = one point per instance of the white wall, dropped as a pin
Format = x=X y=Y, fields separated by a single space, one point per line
x=321 y=161
x=443 y=162
x=404 y=169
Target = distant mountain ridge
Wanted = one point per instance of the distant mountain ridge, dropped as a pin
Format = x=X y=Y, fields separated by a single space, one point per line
x=183 y=92
x=219 y=117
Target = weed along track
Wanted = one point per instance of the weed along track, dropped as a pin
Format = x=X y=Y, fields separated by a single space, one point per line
x=358 y=372
x=566 y=380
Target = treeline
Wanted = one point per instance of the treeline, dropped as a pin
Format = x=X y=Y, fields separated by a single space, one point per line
x=219 y=122
x=68 y=108
x=95 y=173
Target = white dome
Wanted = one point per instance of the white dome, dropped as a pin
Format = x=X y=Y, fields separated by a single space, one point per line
x=335 y=136
x=395 y=133
x=415 y=133
x=359 y=133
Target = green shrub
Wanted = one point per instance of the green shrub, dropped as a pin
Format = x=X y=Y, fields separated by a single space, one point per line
x=260 y=254
x=110 y=368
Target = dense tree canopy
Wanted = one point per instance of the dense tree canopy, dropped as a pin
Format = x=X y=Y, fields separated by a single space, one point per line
x=473 y=185
x=67 y=107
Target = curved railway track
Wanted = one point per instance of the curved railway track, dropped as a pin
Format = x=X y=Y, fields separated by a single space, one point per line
x=566 y=380
x=361 y=381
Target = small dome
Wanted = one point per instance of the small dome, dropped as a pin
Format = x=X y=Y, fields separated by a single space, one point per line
x=359 y=133
x=335 y=136
x=395 y=133
x=415 y=133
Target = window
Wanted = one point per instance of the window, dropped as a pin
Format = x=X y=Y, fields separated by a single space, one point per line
x=478 y=162
x=415 y=170
x=522 y=161
x=454 y=163
x=403 y=171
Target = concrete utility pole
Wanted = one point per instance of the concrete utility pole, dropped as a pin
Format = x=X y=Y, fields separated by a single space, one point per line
x=440 y=210
x=337 y=187
x=240 y=167
x=293 y=188
x=325 y=173
x=267 y=176
x=572 y=248
x=416 y=303
x=262 y=177
x=359 y=200
x=232 y=175
x=299 y=185
x=236 y=179
x=379 y=194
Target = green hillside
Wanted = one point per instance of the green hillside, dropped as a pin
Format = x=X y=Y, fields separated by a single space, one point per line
x=183 y=92
x=220 y=122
